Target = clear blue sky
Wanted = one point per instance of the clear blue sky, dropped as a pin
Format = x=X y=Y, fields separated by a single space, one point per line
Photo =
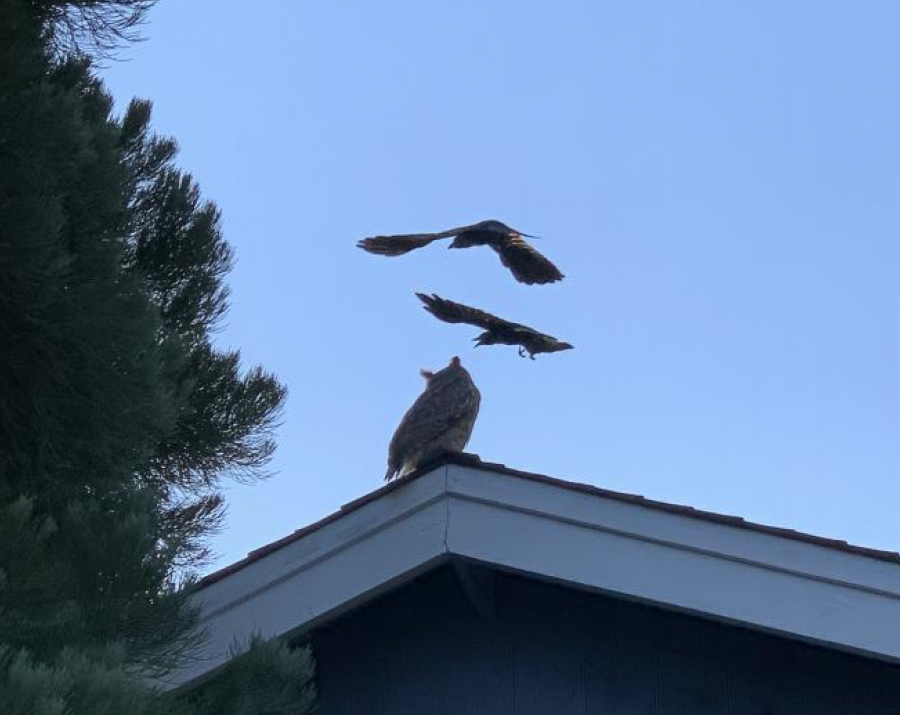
x=719 y=181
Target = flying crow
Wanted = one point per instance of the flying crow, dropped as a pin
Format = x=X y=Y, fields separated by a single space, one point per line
x=527 y=265
x=496 y=330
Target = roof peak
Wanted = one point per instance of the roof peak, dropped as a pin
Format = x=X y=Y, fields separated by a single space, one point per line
x=474 y=461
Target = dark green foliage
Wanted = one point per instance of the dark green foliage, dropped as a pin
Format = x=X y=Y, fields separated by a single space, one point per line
x=175 y=243
x=86 y=382
x=118 y=416
x=266 y=678
x=76 y=682
x=90 y=27
x=226 y=417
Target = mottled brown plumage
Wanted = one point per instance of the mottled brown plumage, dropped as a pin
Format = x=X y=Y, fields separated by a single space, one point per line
x=496 y=330
x=439 y=421
x=526 y=264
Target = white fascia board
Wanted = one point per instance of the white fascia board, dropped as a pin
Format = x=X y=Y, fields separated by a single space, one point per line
x=842 y=600
x=764 y=581
x=333 y=568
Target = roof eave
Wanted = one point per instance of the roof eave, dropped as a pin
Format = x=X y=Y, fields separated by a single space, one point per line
x=580 y=536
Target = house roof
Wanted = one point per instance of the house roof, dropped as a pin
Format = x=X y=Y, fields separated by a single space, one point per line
x=720 y=567
x=474 y=461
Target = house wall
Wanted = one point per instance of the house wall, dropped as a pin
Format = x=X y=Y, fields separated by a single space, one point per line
x=426 y=649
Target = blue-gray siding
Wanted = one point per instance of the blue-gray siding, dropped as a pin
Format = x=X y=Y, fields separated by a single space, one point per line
x=426 y=650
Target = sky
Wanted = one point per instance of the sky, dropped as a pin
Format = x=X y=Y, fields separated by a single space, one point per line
x=719 y=182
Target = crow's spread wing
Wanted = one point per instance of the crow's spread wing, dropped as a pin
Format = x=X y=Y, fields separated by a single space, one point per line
x=396 y=245
x=526 y=263
x=451 y=312
x=399 y=244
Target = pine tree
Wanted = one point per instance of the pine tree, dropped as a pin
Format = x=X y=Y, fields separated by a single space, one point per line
x=118 y=416
x=97 y=28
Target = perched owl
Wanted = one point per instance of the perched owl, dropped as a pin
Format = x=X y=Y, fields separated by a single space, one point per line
x=526 y=264
x=440 y=420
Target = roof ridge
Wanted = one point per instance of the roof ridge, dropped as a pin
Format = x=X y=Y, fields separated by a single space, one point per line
x=465 y=459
